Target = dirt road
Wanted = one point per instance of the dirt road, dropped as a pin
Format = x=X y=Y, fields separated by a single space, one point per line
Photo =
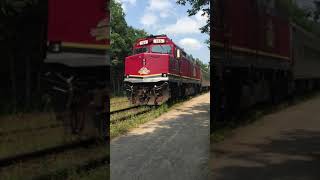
x=172 y=147
x=281 y=146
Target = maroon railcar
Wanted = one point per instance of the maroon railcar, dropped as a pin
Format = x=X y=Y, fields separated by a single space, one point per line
x=251 y=54
x=259 y=55
x=159 y=69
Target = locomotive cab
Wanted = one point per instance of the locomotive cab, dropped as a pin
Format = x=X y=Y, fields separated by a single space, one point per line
x=146 y=70
x=158 y=70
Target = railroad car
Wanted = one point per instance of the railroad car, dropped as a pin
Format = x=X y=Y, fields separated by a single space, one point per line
x=77 y=61
x=158 y=70
x=259 y=56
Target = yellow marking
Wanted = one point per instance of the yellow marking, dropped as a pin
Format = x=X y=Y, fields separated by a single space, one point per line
x=89 y=46
x=184 y=77
x=161 y=74
x=247 y=50
x=144 y=75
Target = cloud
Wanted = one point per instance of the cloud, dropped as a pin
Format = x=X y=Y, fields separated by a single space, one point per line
x=159 y=9
x=202 y=20
x=148 y=19
x=186 y=25
x=132 y=2
x=190 y=44
x=125 y=3
x=159 y=5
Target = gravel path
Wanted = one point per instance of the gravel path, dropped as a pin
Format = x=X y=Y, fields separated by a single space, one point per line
x=281 y=146
x=172 y=147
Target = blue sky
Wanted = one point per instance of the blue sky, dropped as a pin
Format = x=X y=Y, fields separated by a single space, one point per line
x=167 y=17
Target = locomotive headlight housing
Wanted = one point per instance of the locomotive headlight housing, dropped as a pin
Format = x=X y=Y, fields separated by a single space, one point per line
x=164 y=75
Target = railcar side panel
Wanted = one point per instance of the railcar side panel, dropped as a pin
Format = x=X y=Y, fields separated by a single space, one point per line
x=245 y=29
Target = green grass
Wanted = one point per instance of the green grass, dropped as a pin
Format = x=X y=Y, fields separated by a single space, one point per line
x=102 y=173
x=36 y=140
x=26 y=121
x=54 y=165
x=123 y=127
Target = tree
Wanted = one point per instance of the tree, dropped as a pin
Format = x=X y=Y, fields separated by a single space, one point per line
x=317 y=11
x=20 y=34
x=122 y=38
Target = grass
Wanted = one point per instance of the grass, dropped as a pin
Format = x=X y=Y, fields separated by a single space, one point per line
x=26 y=121
x=223 y=130
x=119 y=106
x=115 y=117
x=95 y=174
x=115 y=100
x=122 y=127
x=29 y=141
x=54 y=165
x=36 y=140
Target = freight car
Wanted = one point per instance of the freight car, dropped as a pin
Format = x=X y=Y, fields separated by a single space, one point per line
x=259 y=56
x=159 y=69
x=76 y=66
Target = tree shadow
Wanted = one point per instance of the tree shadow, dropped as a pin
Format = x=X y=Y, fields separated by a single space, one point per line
x=292 y=155
x=174 y=148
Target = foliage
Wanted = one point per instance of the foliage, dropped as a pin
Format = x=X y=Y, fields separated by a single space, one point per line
x=122 y=38
x=203 y=66
x=302 y=17
x=21 y=31
x=122 y=35
x=317 y=11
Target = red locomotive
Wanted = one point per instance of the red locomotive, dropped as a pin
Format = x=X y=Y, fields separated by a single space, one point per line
x=158 y=70
x=77 y=62
x=259 y=56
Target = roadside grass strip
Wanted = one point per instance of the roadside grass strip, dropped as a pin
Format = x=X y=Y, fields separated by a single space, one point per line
x=124 y=126
x=60 y=165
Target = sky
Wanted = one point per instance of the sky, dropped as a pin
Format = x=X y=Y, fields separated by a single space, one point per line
x=167 y=17
x=305 y=3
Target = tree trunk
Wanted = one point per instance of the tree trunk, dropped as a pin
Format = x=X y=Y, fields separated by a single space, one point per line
x=28 y=82
x=13 y=80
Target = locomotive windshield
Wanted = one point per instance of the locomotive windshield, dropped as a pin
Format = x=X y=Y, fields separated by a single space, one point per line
x=163 y=49
x=140 y=50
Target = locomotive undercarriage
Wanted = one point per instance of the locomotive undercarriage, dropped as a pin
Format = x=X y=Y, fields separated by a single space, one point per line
x=240 y=89
x=148 y=93
x=81 y=105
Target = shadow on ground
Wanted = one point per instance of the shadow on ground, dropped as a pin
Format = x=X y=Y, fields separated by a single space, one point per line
x=295 y=155
x=175 y=148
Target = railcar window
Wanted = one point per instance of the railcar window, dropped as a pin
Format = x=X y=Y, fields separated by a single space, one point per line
x=140 y=50
x=163 y=49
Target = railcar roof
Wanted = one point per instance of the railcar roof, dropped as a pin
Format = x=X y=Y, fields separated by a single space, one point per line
x=168 y=39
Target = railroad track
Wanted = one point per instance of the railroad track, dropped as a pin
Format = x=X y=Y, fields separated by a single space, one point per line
x=125 y=109
x=16 y=131
x=119 y=102
x=131 y=115
x=45 y=152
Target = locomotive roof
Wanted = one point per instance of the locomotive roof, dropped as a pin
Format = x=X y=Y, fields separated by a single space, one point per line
x=189 y=57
